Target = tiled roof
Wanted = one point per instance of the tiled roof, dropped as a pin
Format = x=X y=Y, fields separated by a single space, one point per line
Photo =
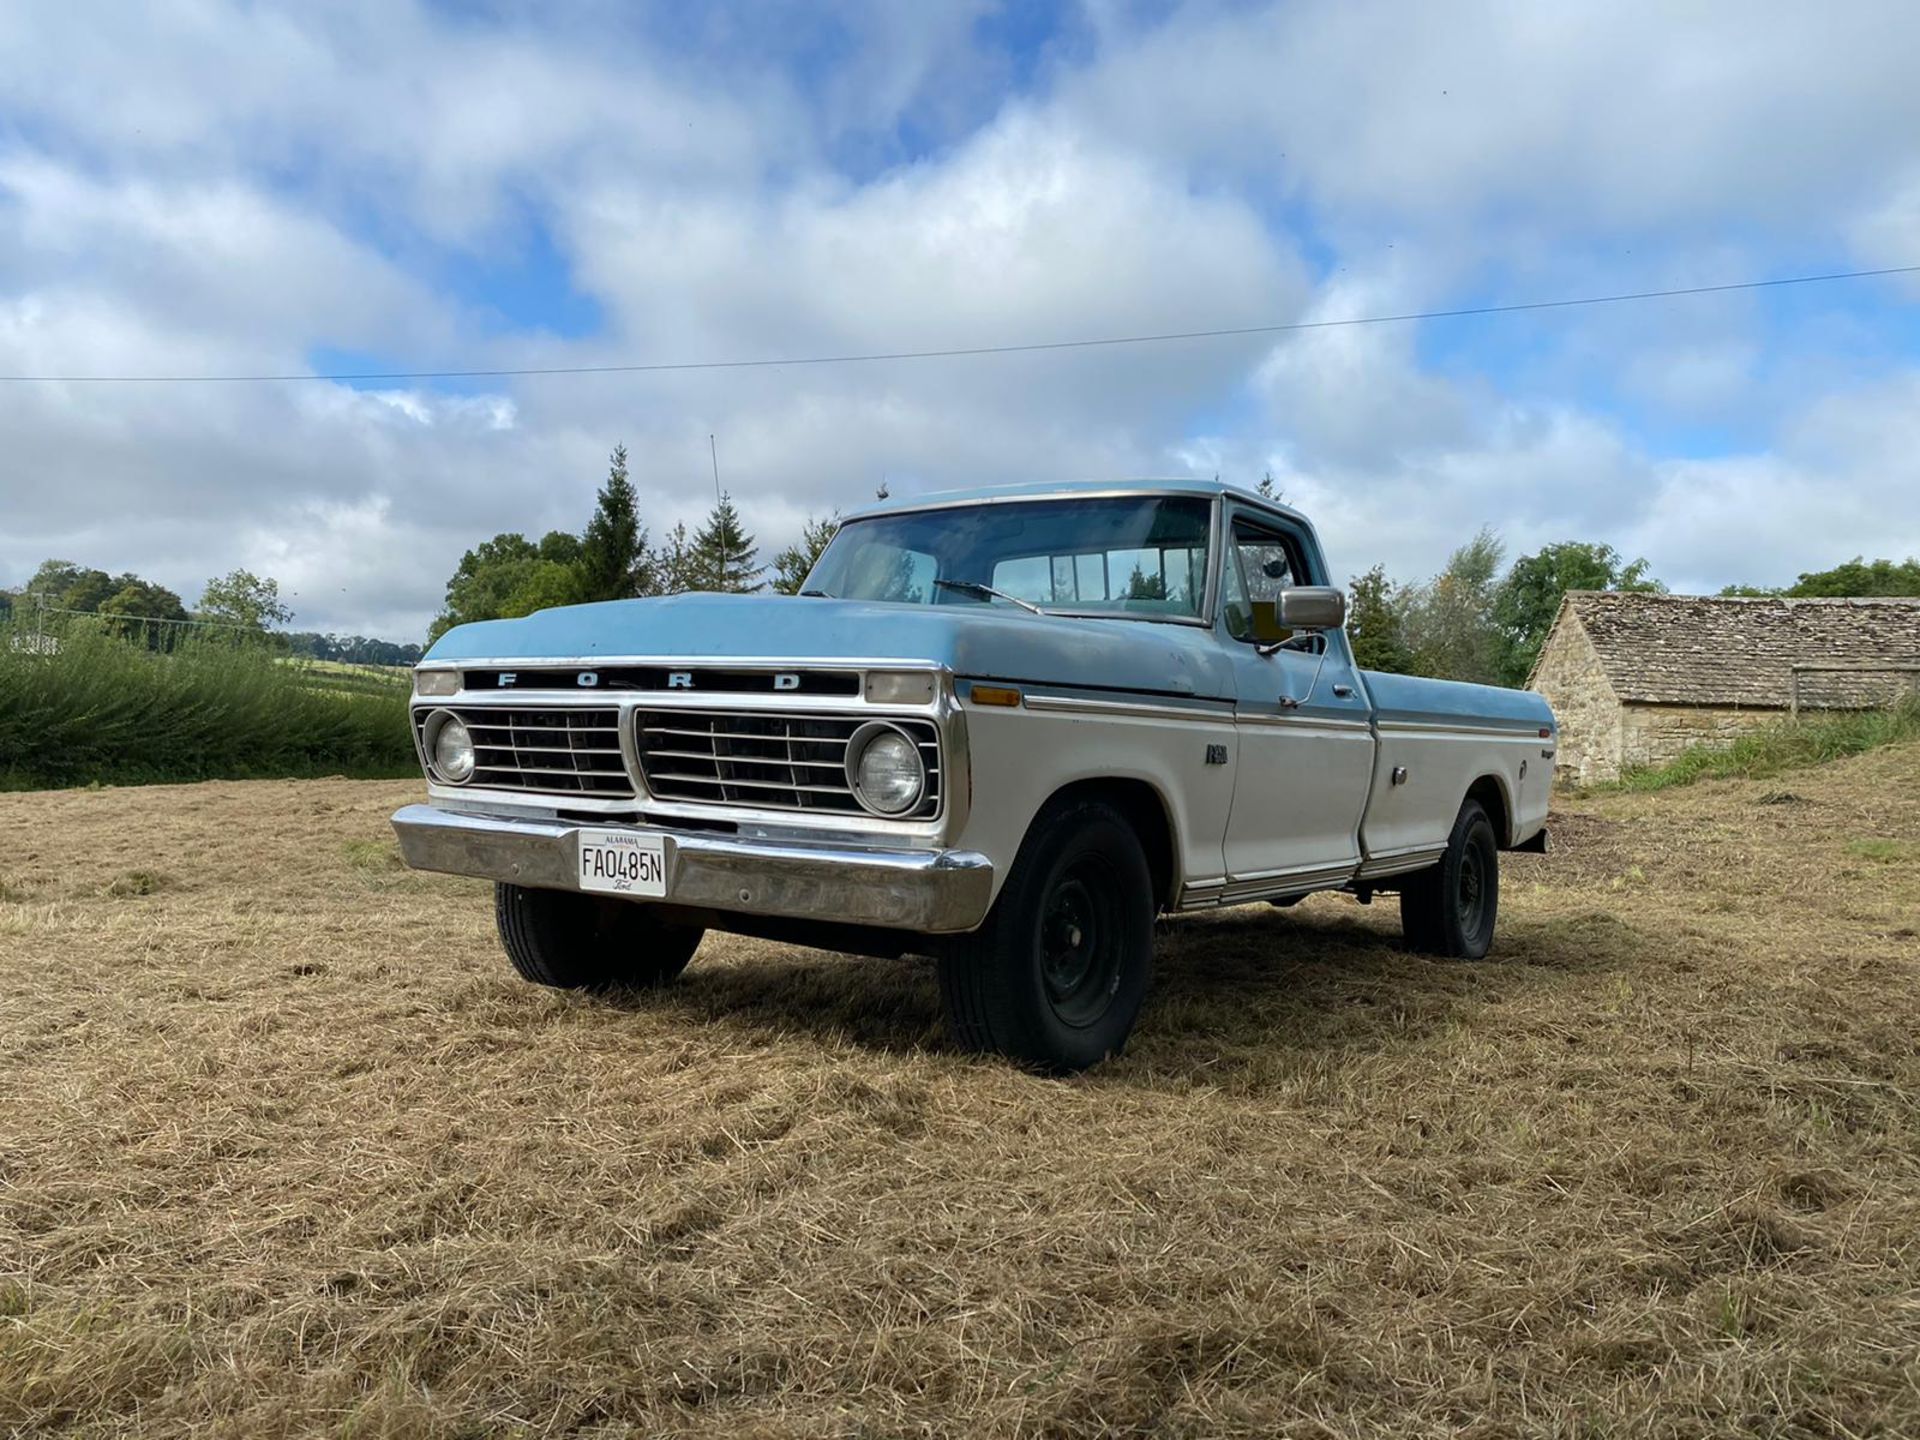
x=1696 y=650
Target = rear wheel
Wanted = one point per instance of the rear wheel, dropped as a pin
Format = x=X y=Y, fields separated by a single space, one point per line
x=1450 y=908
x=585 y=942
x=1056 y=976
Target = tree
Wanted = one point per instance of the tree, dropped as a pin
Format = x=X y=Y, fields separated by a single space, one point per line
x=244 y=599
x=614 y=560
x=1529 y=598
x=6 y=606
x=1269 y=490
x=560 y=546
x=792 y=565
x=141 y=610
x=1448 y=621
x=674 y=569
x=1857 y=578
x=723 y=553
x=508 y=576
x=1375 y=626
x=1142 y=586
x=63 y=585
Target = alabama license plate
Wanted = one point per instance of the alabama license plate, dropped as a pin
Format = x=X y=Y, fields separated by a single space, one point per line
x=623 y=862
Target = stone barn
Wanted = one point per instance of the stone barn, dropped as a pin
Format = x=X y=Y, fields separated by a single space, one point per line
x=1635 y=679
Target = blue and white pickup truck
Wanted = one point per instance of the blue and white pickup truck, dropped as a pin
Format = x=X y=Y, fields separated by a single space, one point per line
x=1005 y=729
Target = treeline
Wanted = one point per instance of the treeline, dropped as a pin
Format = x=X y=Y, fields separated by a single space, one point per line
x=347 y=649
x=236 y=606
x=616 y=558
x=1479 y=622
x=133 y=607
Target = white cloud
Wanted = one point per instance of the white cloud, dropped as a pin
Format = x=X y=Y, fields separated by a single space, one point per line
x=209 y=187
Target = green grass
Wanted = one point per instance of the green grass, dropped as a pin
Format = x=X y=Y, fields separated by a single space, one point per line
x=1881 y=852
x=1785 y=745
x=103 y=710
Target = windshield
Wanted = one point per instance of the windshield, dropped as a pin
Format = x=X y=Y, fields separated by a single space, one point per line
x=1144 y=557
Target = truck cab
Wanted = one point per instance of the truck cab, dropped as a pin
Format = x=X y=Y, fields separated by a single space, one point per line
x=1006 y=728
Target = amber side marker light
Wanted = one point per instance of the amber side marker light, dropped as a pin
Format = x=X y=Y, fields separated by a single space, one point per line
x=995 y=695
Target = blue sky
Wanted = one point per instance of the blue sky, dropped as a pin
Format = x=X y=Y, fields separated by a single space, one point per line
x=212 y=186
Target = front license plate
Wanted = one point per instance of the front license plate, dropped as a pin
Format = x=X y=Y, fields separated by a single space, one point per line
x=623 y=862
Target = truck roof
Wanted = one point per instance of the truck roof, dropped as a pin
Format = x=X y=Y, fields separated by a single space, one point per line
x=1074 y=489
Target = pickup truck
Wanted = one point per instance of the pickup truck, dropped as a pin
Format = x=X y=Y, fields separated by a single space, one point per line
x=1005 y=729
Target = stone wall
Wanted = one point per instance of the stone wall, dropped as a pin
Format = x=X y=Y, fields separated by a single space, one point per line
x=1656 y=734
x=1575 y=684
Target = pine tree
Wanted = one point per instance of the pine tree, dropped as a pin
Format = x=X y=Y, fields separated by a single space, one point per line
x=791 y=565
x=614 y=560
x=1374 y=624
x=723 y=553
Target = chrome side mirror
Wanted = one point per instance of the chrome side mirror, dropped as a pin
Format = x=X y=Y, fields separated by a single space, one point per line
x=1299 y=607
x=1311 y=607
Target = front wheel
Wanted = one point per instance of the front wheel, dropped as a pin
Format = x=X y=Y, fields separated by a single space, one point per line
x=1449 y=909
x=584 y=942
x=1056 y=976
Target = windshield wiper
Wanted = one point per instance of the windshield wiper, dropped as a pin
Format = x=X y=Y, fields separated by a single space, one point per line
x=987 y=592
x=817 y=594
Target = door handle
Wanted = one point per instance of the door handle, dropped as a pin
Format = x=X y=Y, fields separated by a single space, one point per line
x=1344 y=692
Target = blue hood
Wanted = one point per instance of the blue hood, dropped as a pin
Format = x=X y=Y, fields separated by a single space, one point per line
x=998 y=643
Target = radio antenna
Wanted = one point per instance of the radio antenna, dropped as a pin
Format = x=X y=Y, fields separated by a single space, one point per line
x=720 y=521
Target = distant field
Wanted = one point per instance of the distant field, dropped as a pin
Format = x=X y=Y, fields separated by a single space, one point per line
x=351 y=679
x=287 y=1151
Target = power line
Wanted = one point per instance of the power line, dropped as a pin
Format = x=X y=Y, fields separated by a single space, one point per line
x=957 y=352
x=153 y=619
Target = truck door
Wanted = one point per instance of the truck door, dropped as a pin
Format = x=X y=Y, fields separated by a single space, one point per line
x=1301 y=770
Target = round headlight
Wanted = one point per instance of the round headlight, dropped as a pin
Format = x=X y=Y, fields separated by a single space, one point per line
x=451 y=746
x=885 y=770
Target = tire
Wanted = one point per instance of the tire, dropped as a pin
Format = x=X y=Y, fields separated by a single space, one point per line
x=583 y=942
x=1055 y=977
x=1450 y=908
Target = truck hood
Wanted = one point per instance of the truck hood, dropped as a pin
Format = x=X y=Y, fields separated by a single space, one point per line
x=978 y=642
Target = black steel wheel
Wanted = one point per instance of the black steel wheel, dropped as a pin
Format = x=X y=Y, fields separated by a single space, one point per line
x=589 y=942
x=1056 y=976
x=1450 y=908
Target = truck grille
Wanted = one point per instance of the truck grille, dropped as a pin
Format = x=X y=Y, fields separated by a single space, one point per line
x=555 y=752
x=776 y=761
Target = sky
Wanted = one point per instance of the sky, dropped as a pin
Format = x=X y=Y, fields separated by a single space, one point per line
x=205 y=187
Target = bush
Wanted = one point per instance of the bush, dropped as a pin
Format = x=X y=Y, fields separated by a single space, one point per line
x=93 y=707
x=1785 y=745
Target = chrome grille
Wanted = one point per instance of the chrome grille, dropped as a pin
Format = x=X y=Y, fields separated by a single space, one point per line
x=556 y=752
x=793 y=761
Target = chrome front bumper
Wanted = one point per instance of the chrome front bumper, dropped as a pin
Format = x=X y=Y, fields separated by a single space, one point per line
x=927 y=891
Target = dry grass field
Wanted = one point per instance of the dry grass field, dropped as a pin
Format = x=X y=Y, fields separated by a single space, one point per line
x=285 y=1150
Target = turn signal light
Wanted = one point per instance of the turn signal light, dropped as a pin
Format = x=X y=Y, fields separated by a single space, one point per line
x=995 y=695
x=436 y=682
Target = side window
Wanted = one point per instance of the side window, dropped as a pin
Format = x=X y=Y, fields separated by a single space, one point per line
x=1260 y=564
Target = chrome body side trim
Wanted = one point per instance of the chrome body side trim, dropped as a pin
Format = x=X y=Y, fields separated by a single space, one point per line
x=1244 y=889
x=1529 y=733
x=926 y=891
x=1204 y=712
x=1399 y=862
